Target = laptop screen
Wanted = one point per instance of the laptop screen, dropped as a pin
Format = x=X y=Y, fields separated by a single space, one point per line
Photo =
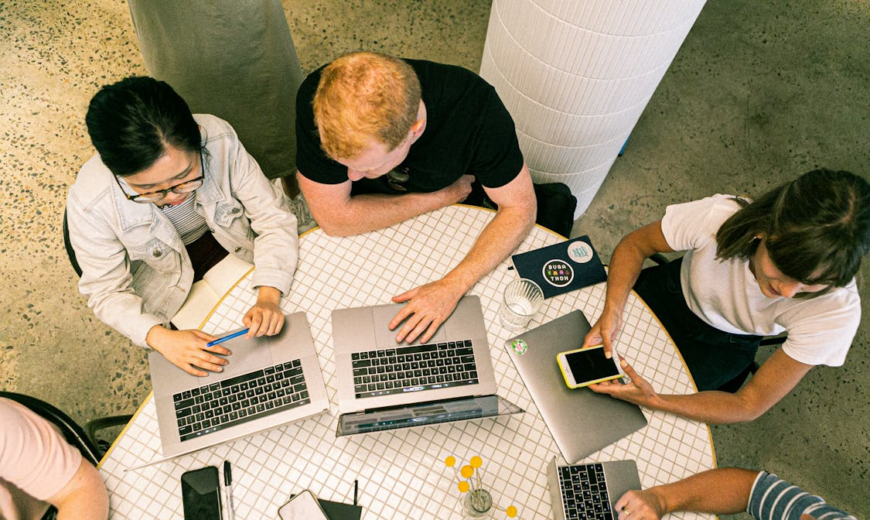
x=424 y=414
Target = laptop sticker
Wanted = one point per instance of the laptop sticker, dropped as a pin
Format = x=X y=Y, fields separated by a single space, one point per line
x=519 y=346
x=558 y=273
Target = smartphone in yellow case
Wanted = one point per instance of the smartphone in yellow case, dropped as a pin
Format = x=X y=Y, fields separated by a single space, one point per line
x=587 y=366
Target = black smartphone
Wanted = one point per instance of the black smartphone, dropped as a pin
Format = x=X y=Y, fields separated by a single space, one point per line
x=201 y=494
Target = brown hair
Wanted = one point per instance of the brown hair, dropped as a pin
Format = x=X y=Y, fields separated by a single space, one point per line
x=819 y=221
x=363 y=96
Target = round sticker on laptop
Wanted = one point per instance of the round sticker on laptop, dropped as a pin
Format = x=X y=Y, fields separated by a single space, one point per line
x=519 y=346
x=558 y=272
x=580 y=251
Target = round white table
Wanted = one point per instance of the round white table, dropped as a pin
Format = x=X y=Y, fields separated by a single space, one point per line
x=402 y=473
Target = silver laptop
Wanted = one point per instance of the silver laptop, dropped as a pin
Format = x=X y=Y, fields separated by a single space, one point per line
x=270 y=381
x=589 y=491
x=581 y=421
x=383 y=384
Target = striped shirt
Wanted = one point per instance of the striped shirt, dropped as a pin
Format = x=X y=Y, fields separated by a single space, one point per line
x=775 y=499
x=189 y=224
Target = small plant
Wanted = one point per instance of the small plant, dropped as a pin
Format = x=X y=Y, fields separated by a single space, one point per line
x=478 y=501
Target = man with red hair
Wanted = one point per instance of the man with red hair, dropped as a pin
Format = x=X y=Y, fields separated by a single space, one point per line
x=381 y=140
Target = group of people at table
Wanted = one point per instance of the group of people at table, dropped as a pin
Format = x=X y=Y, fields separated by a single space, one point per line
x=379 y=141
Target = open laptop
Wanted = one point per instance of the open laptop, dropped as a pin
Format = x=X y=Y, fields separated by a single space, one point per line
x=270 y=381
x=590 y=491
x=581 y=421
x=384 y=385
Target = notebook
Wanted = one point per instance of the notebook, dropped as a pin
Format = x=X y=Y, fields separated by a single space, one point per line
x=562 y=267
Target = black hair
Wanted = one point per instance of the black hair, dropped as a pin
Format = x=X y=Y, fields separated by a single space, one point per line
x=816 y=227
x=131 y=122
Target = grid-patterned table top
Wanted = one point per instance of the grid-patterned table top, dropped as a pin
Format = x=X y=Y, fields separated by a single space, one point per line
x=401 y=473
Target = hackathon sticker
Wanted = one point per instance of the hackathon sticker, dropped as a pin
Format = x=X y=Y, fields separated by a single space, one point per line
x=558 y=273
x=519 y=346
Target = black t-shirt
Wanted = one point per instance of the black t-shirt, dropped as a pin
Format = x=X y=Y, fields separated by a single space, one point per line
x=468 y=131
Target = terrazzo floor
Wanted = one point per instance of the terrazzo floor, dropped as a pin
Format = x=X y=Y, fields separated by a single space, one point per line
x=759 y=93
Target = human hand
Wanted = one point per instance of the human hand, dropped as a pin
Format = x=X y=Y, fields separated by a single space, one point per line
x=640 y=505
x=637 y=391
x=459 y=190
x=265 y=317
x=605 y=331
x=429 y=306
x=187 y=349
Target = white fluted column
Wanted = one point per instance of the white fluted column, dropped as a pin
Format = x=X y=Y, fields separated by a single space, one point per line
x=576 y=76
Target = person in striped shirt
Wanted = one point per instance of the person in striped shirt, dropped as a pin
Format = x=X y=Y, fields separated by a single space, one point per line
x=729 y=491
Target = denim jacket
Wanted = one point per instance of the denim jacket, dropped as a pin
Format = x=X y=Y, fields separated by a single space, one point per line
x=136 y=271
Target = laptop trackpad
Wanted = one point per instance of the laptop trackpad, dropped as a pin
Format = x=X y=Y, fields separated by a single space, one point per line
x=386 y=338
x=248 y=355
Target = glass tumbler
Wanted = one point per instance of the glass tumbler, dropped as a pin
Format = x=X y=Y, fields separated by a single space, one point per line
x=522 y=299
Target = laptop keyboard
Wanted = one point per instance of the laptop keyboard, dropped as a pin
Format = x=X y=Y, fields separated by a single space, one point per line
x=584 y=493
x=243 y=398
x=413 y=368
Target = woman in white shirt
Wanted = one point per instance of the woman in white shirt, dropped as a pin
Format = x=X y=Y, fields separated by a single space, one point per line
x=783 y=263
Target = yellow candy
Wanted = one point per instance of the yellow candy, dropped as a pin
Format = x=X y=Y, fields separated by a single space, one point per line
x=476 y=462
x=466 y=471
x=511 y=511
x=463 y=487
x=450 y=461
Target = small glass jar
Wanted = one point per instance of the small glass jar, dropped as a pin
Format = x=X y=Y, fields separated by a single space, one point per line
x=477 y=504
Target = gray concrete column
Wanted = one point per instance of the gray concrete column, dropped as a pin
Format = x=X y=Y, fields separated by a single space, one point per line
x=576 y=76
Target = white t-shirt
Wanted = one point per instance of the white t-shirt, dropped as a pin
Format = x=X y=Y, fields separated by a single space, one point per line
x=726 y=295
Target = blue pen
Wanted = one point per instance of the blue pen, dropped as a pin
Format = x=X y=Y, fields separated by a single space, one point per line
x=227 y=338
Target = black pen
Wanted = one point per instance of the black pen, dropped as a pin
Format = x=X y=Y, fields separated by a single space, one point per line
x=228 y=487
x=355 y=487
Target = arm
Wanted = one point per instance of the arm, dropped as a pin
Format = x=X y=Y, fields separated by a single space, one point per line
x=719 y=491
x=339 y=214
x=36 y=459
x=776 y=378
x=276 y=246
x=108 y=283
x=625 y=266
x=431 y=304
x=84 y=497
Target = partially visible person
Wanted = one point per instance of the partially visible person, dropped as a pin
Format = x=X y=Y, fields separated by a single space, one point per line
x=168 y=196
x=39 y=469
x=245 y=73
x=784 y=262
x=381 y=140
x=728 y=491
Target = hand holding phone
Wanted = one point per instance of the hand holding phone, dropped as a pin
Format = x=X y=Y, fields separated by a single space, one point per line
x=587 y=366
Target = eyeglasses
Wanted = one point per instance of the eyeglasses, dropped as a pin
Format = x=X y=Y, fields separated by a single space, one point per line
x=397 y=177
x=154 y=196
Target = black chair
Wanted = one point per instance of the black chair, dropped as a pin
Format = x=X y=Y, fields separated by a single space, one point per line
x=737 y=382
x=70 y=252
x=84 y=439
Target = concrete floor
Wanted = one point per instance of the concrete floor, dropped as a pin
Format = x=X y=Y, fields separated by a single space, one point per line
x=759 y=93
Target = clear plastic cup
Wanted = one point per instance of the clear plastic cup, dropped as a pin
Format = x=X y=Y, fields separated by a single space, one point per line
x=522 y=300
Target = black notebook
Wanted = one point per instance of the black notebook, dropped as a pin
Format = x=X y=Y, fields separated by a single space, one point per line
x=562 y=267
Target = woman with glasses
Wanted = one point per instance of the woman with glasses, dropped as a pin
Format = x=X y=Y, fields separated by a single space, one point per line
x=168 y=196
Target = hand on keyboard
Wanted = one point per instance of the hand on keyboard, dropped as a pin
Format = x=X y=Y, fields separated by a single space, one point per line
x=428 y=307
